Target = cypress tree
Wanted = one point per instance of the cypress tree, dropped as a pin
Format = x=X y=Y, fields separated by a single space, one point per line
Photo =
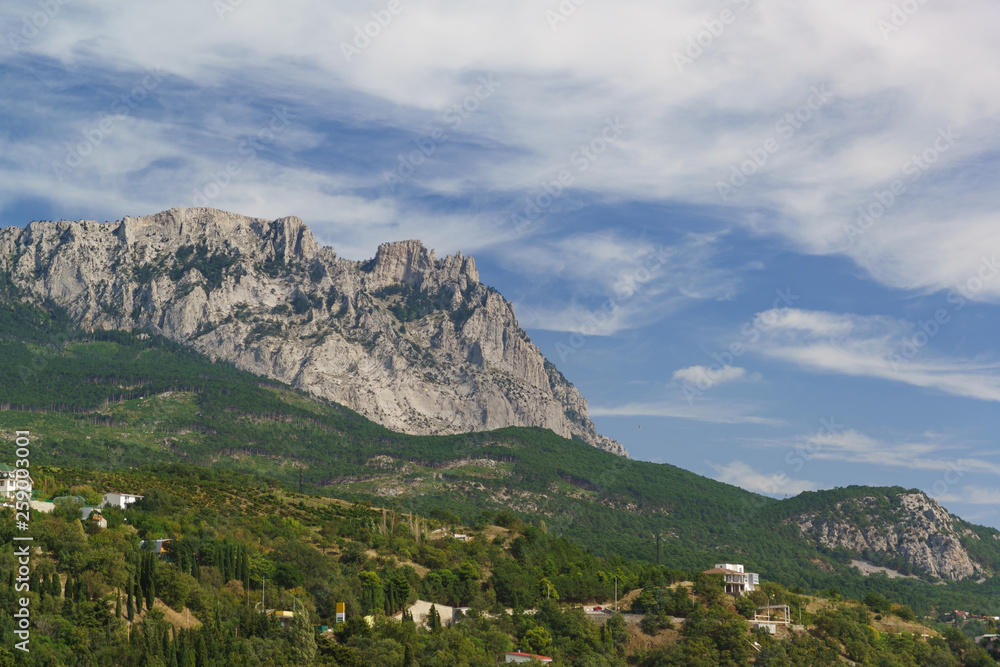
x=128 y=605
x=80 y=590
x=68 y=593
x=138 y=598
x=201 y=657
x=55 y=587
x=33 y=581
x=118 y=603
x=152 y=594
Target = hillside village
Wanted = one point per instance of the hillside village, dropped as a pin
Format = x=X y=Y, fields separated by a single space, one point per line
x=439 y=580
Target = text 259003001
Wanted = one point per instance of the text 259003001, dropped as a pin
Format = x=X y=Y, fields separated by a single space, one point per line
x=22 y=517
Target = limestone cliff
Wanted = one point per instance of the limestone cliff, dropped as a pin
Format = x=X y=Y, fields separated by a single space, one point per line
x=909 y=524
x=411 y=341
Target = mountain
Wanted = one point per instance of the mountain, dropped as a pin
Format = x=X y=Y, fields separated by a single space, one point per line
x=116 y=400
x=906 y=525
x=413 y=342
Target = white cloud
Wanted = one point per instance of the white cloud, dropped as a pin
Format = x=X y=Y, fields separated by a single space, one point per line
x=743 y=475
x=872 y=346
x=890 y=95
x=932 y=453
x=703 y=377
x=624 y=283
x=716 y=412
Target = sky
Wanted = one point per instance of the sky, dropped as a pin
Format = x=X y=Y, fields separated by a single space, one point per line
x=760 y=236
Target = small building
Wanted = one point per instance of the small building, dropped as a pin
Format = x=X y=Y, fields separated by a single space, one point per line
x=92 y=517
x=526 y=657
x=159 y=547
x=9 y=478
x=736 y=580
x=283 y=617
x=769 y=628
x=120 y=500
x=988 y=642
x=421 y=609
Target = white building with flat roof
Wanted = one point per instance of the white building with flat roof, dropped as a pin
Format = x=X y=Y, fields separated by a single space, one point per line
x=120 y=500
x=736 y=580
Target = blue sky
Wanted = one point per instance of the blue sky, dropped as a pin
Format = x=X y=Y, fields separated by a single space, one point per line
x=761 y=237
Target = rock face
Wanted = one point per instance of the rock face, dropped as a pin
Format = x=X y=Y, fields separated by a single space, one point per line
x=915 y=527
x=411 y=341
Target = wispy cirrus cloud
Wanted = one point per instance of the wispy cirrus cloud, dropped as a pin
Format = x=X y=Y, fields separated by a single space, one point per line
x=972 y=495
x=711 y=411
x=704 y=377
x=927 y=452
x=687 y=129
x=870 y=346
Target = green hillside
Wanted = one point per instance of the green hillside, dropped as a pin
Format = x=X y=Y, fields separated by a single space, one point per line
x=115 y=400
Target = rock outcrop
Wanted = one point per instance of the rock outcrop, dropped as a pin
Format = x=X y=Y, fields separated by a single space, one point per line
x=411 y=341
x=915 y=526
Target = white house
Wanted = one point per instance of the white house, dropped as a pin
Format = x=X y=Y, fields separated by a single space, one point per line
x=736 y=580
x=8 y=481
x=525 y=657
x=120 y=500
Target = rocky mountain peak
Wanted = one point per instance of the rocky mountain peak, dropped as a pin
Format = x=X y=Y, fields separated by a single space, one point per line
x=906 y=523
x=411 y=341
x=411 y=263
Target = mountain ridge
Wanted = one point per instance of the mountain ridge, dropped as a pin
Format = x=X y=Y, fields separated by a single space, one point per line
x=117 y=400
x=412 y=341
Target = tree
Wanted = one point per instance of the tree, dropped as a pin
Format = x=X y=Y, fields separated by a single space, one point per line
x=303 y=639
x=537 y=639
x=434 y=620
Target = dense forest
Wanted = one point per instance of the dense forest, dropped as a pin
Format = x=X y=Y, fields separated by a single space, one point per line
x=241 y=546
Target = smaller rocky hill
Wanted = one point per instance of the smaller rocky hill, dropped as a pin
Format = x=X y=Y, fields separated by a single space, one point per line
x=895 y=526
